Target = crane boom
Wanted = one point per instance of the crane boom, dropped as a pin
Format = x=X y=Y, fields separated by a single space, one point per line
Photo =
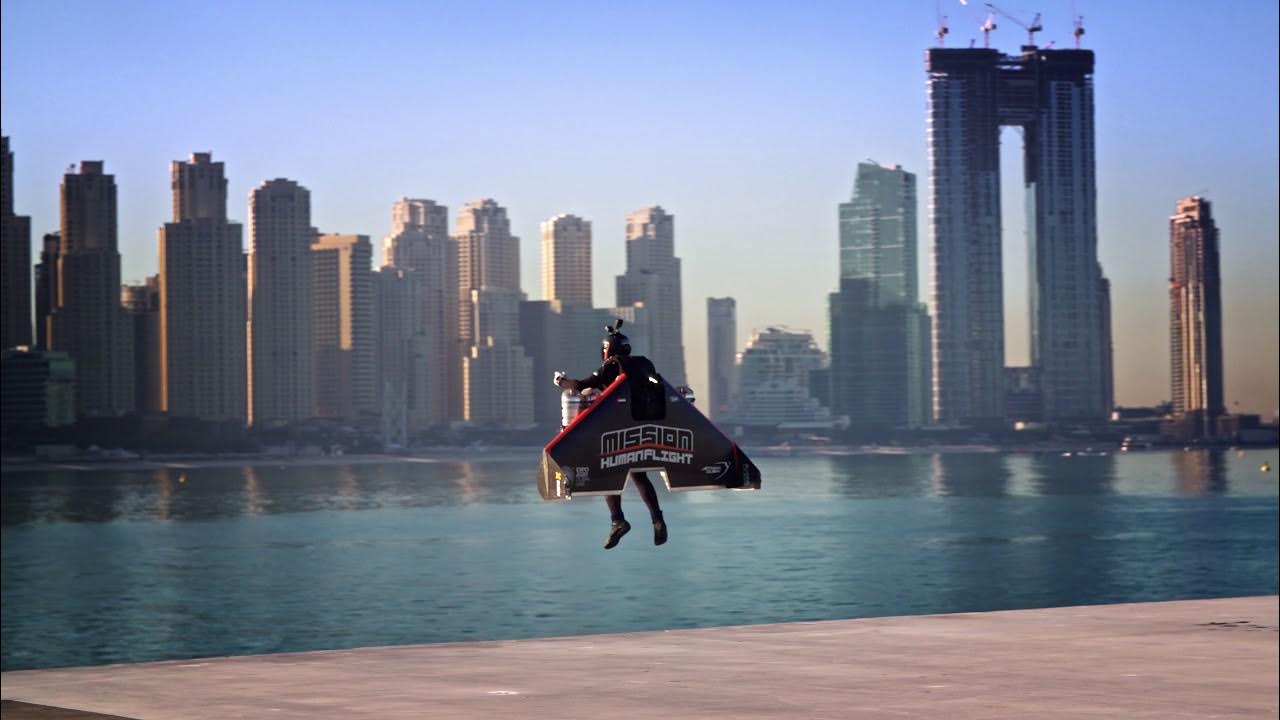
x=1032 y=28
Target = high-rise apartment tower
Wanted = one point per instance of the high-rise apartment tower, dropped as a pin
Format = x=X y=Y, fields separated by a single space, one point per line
x=566 y=260
x=88 y=322
x=496 y=372
x=281 y=367
x=203 y=298
x=425 y=256
x=722 y=351
x=653 y=280
x=342 y=328
x=1195 y=314
x=15 y=261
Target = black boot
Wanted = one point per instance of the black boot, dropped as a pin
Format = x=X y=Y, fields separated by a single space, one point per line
x=616 y=531
x=659 y=532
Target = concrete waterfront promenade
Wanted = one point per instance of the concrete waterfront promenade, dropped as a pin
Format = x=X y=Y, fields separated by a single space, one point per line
x=1189 y=659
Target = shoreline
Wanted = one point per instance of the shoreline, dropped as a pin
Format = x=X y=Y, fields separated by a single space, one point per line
x=517 y=453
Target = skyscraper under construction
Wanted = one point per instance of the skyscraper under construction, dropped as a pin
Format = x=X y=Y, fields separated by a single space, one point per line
x=1048 y=95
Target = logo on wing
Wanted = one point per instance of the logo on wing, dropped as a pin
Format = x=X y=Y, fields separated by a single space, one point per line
x=658 y=443
x=716 y=470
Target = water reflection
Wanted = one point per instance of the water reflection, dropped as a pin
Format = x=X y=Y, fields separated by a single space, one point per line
x=878 y=475
x=1073 y=474
x=970 y=475
x=253 y=503
x=163 y=486
x=179 y=494
x=182 y=494
x=1197 y=472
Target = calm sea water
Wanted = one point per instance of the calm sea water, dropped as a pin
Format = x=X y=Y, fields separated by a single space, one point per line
x=105 y=567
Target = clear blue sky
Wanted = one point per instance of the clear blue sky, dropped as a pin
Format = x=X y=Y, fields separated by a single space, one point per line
x=744 y=119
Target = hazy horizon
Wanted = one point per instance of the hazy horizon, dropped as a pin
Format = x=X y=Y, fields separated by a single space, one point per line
x=745 y=121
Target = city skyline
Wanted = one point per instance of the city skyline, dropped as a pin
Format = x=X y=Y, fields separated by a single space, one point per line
x=728 y=240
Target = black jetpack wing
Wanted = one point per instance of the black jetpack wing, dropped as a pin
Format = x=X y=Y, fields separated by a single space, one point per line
x=629 y=429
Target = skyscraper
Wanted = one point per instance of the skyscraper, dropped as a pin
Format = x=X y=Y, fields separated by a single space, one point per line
x=402 y=379
x=203 y=293
x=1195 y=315
x=420 y=247
x=773 y=381
x=557 y=336
x=1105 y=346
x=1049 y=95
x=722 y=349
x=141 y=304
x=496 y=373
x=282 y=371
x=46 y=288
x=342 y=328
x=15 y=261
x=653 y=278
x=566 y=260
x=88 y=322
x=880 y=375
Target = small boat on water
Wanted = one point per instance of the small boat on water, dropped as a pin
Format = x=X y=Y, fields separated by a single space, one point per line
x=779 y=450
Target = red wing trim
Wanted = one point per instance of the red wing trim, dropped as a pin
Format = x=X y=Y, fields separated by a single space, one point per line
x=607 y=392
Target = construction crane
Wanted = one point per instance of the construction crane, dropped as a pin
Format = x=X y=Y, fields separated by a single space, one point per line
x=942 y=31
x=987 y=27
x=1031 y=29
x=1079 y=29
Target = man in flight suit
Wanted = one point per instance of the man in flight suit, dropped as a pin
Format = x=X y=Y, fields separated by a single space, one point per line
x=616 y=353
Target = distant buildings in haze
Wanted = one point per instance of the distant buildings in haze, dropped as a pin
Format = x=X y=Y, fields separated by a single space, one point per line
x=652 y=279
x=303 y=327
x=722 y=368
x=774 y=382
x=566 y=260
x=419 y=315
x=497 y=380
x=879 y=332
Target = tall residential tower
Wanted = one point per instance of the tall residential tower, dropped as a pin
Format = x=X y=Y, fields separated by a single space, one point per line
x=15 y=261
x=566 y=260
x=653 y=280
x=496 y=373
x=424 y=369
x=203 y=312
x=1195 y=315
x=722 y=350
x=342 y=326
x=281 y=367
x=88 y=322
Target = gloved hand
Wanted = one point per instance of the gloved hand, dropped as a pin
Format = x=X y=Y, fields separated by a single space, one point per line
x=560 y=375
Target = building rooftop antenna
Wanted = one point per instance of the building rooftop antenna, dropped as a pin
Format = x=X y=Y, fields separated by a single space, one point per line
x=1032 y=28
